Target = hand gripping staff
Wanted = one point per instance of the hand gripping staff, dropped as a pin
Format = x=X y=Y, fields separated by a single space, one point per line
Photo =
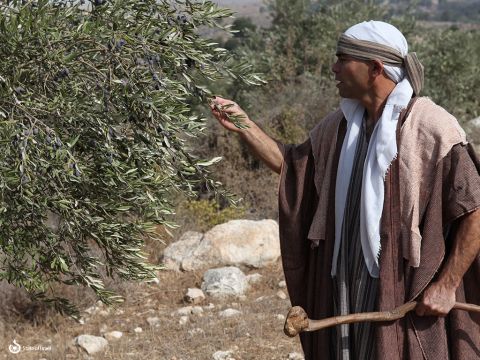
x=298 y=321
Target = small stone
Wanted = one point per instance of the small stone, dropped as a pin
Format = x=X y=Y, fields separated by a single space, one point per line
x=187 y=310
x=119 y=312
x=113 y=335
x=281 y=295
x=261 y=298
x=154 y=280
x=91 y=310
x=194 y=296
x=223 y=355
x=209 y=307
x=280 y=317
x=91 y=344
x=103 y=328
x=196 y=331
x=229 y=313
x=282 y=284
x=197 y=310
x=183 y=320
x=295 y=356
x=138 y=330
x=153 y=321
x=254 y=278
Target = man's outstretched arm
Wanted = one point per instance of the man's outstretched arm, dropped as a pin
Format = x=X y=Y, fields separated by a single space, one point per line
x=263 y=146
x=439 y=297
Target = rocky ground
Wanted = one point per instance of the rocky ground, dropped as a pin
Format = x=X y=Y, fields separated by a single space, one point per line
x=157 y=321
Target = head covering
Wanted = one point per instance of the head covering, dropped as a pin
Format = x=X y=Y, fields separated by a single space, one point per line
x=376 y=40
x=372 y=40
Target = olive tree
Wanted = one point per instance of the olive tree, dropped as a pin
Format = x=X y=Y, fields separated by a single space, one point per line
x=95 y=116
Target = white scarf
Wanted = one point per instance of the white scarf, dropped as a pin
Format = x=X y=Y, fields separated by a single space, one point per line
x=382 y=150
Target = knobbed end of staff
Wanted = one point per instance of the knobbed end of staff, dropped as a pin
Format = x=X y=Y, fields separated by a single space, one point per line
x=296 y=322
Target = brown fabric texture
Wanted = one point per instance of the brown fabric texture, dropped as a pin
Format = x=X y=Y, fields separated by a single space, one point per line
x=455 y=192
x=427 y=135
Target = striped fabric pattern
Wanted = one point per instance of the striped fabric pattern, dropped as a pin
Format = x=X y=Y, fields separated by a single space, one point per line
x=354 y=289
x=368 y=50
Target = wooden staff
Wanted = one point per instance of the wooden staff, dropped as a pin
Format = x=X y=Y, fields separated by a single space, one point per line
x=298 y=321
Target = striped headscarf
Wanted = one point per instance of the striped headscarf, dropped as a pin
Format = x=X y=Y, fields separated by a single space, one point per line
x=368 y=41
x=386 y=44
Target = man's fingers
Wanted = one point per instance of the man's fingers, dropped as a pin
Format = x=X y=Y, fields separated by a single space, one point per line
x=423 y=309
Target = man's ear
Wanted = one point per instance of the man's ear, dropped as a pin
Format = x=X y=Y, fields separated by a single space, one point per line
x=376 y=68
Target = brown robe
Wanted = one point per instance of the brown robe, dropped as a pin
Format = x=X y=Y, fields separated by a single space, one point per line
x=456 y=192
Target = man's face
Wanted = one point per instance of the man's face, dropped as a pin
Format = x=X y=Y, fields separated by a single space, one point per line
x=352 y=76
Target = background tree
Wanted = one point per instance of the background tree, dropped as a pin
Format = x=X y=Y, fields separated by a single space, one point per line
x=95 y=113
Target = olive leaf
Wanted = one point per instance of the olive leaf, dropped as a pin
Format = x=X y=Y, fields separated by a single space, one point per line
x=95 y=117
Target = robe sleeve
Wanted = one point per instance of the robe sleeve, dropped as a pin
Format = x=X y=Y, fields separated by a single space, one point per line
x=297 y=200
x=461 y=184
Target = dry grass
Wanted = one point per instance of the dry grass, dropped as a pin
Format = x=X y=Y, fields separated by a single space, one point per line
x=257 y=334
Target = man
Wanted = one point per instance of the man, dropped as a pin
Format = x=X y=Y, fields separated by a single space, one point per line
x=379 y=207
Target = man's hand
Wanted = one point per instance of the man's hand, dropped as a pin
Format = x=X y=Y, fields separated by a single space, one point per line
x=263 y=146
x=439 y=297
x=222 y=108
x=437 y=300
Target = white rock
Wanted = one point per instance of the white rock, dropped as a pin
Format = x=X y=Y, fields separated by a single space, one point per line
x=153 y=321
x=183 y=320
x=91 y=310
x=194 y=296
x=280 y=317
x=154 y=280
x=113 y=335
x=103 y=328
x=138 y=330
x=281 y=295
x=229 y=313
x=197 y=310
x=282 y=284
x=237 y=242
x=295 y=356
x=254 y=278
x=186 y=310
x=91 y=344
x=225 y=281
x=223 y=355
x=210 y=306
x=186 y=249
x=261 y=298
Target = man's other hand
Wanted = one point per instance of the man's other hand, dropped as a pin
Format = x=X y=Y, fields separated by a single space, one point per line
x=437 y=300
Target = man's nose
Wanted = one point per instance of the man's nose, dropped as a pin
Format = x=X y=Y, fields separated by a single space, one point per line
x=335 y=67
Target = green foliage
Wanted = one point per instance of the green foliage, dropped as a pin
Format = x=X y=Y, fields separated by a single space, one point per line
x=94 y=120
x=207 y=213
x=452 y=71
x=304 y=33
